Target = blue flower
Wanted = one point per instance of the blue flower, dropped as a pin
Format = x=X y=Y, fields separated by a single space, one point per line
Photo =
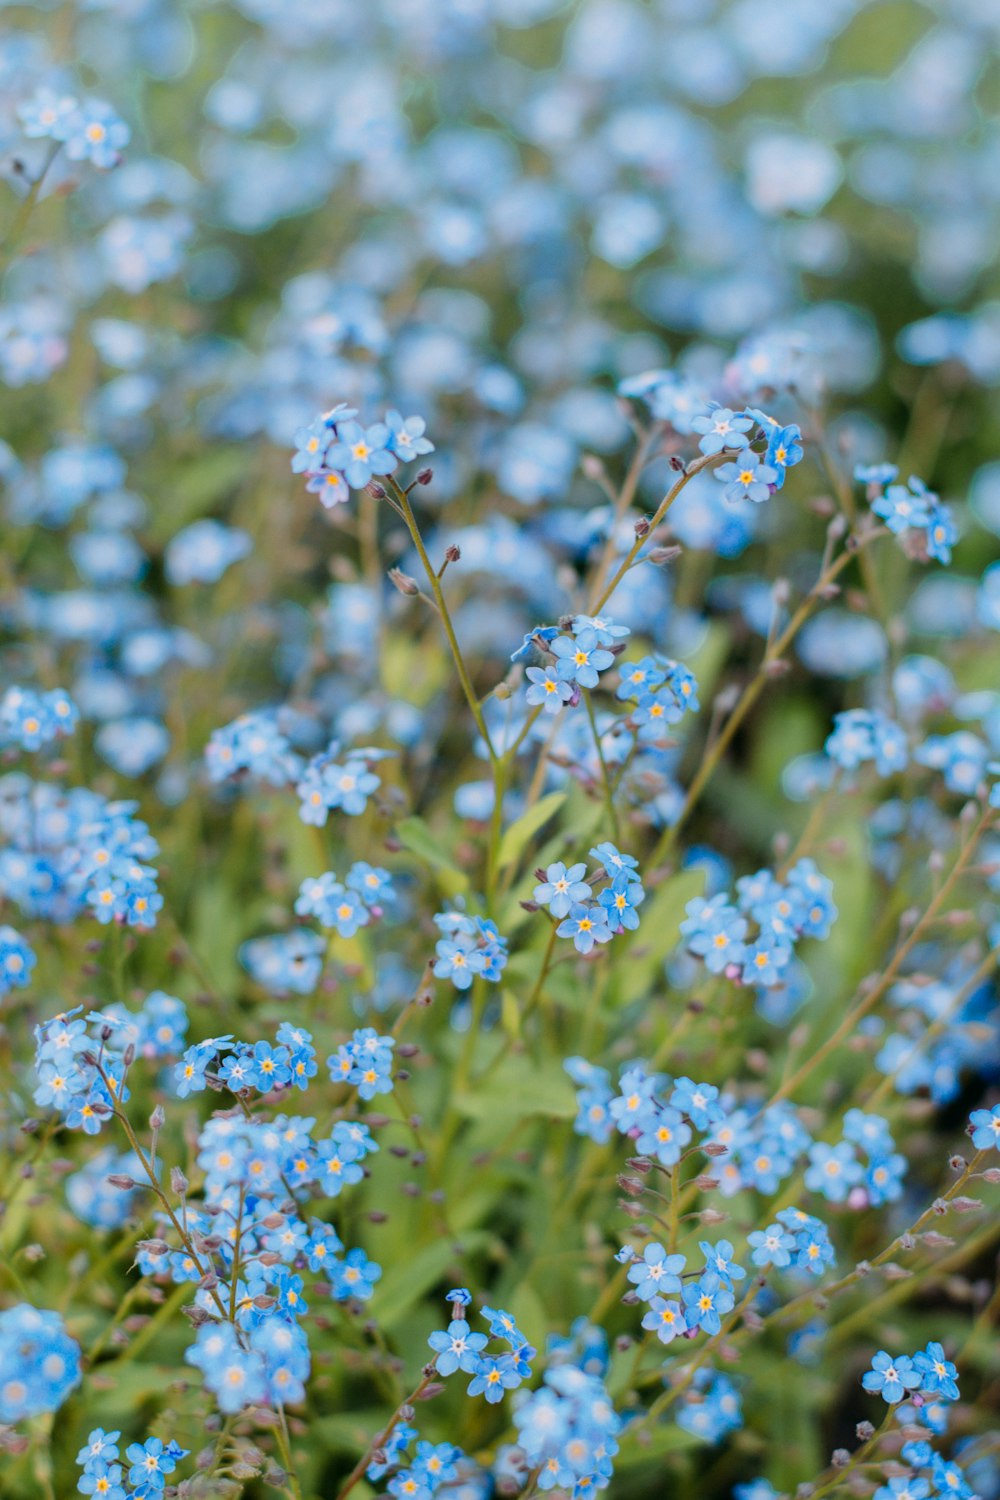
x=764 y=960
x=613 y=861
x=361 y=453
x=562 y=888
x=503 y=1326
x=586 y=925
x=657 y=1273
x=772 y=1246
x=330 y=487
x=902 y=506
x=151 y=1462
x=891 y=1378
x=103 y=1479
x=547 y=690
x=748 y=478
x=49 y=114
x=664 y=1135
x=722 y=428
x=95 y=133
x=719 y=1258
x=715 y=931
x=699 y=1101
x=637 y=678
x=665 y=1319
x=620 y=900
x=938 y=1376
x=312 y=444
x=707 y=1300
x=100 y=1446
x=458 y=960
x=580 y=658
x=605 y=629
x=17 y=959
x=833 y=1170
x=949 y=1480
x=942 y=534
x=406 y=436
x=493 y=1377
x=458 y=1348
x=985 y=1128
x=784 y=450
x=355 y=1276
x=903 y=1487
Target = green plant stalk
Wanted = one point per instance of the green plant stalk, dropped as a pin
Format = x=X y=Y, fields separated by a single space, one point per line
x=714 y=753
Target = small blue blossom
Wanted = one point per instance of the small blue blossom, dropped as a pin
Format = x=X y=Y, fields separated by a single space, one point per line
x=722 y=428
x=748 y=478
x=891 y=1378
x=562 y=888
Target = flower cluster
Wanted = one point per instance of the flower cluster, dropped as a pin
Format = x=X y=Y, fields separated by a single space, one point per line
x=70 y=853
x=81 y=1061
x=17 y=959
x=338 y=454
x=349 y=905
x=242 y=1066
x=663 y=691
x=911 y=511
x=327 y=784
x=89 y=130
x=458 y=1348
x=784 y=911
x=142 y=1474
x=254 y=744
x=365 y=1061
x=566 y=894
x=861 y=736
x=567 y=1429
x=39 y=1362
x=576 y=659
x=743 y=1051
x=31 y=720
x=927 y=1372
x=470 y=948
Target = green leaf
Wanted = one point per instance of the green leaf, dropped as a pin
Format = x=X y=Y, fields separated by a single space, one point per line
x=414 y=835
x=515 y=1091
x=352 y=1431
x=198 y=487
x=413 y=1276
x=510 y=1015
x=665 y=1437
x=660 y=917
x=517 y=836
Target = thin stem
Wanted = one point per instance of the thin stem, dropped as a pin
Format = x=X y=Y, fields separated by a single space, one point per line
x=601 y=597
x=147 y=1167
x=405 y=510
x=284 y=1443
x=625 y=497
x=28 y=203
x=838 y=1476
x=868 y=1000
x=753 y=690
x=609 y=796
x=382 y=1437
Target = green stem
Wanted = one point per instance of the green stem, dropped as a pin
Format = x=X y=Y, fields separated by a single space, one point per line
x=600 y=597
x=405 y=509
x=284 y=1443
x=609 y=796
x=753 y=690
x=382 y=1437
x=28 y=203
x=868 y=1000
